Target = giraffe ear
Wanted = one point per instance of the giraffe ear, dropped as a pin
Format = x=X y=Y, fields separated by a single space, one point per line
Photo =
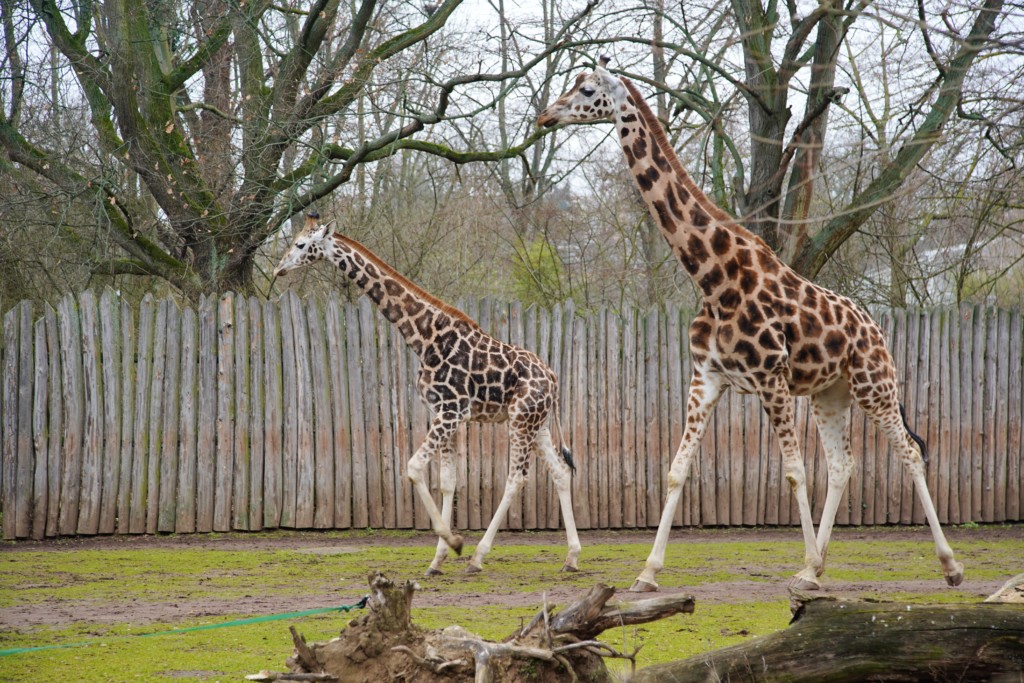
x=323 y=231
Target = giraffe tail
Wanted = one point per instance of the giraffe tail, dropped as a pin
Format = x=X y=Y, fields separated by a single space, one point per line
x=566 y=453
x=918 y=440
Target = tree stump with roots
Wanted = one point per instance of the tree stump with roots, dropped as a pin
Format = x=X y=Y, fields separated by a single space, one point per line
x=384 y=644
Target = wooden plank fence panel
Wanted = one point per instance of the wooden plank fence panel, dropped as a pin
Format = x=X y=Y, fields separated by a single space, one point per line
x=1015 y=416
x=612 y=407
x=74 y=414
x=941 y=322
x=988 y=455
x=598 y=512
x=206 y=430
x=242 y=458
x=1002 y=419
x=40 y=430
x=225 y=460
x=977 y=450
x=738 y=459
x=336 y=351
x=360 y=513
x=577 y=425
x=653 y=438
x=304 y=456
x=558 y=357
x=967 y=384
x=290 y=410
x=385 y=388
x=92 y=443
x=933 y=323
x=951 y=397
x=12 y=329
x=168 y=482
x=256 y=414
x=140 y=434
x=634 y=457
x=155 y=419
x=185 y=510
x=675 y=338
x=273 y=415
x=371 y=414
x=110 y=355
x=56 y=427
x=24 y=458
x=323 y=415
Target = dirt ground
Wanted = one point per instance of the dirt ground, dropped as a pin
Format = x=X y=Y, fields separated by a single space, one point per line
x=67 y=612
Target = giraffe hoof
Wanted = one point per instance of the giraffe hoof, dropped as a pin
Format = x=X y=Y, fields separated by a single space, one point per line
x=473 y=569
x=456 y=544
x=569 y=568
x=957 y=577
x=643 y=587
x=798 y=583
x=433 y=572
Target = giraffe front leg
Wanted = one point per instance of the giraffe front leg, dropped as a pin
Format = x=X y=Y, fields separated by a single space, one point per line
x=447 y=505
x=704 y=394
x=778 y=404
x=440 y=434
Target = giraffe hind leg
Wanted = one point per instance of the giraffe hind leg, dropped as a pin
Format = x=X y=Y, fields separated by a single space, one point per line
x=890 y=418
x=561 y=475
x=831 y=410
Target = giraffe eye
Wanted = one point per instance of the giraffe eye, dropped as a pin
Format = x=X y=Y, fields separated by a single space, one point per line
x=300 y=245
x=587 y=91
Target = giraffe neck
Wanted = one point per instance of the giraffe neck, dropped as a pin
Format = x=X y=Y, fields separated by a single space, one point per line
x=419 y=316
x=702 y=236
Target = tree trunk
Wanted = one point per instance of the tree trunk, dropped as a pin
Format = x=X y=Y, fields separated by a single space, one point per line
x=838 y=640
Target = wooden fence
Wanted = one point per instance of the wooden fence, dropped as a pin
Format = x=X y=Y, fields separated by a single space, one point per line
x=244 y=414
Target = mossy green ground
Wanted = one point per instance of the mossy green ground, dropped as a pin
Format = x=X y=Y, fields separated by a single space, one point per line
x=516 y=576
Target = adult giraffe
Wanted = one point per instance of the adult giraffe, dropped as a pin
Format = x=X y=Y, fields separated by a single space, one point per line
x=763 y=330
x=465 y=375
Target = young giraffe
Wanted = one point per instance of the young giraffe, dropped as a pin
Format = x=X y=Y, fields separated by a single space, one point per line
x=465 y=375
x=763 y=330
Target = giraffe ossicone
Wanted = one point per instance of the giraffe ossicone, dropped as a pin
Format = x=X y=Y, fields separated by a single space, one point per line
x=465 y=375
x=763 y=329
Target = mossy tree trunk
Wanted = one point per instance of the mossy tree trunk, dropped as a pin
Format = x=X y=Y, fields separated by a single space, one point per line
x=839 y=641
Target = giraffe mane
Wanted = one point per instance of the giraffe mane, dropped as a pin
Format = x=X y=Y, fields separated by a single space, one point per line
x=390 y=271
x=658 y=131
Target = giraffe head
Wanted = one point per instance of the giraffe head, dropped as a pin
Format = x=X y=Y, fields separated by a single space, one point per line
x=592 y=98
x=307 y=246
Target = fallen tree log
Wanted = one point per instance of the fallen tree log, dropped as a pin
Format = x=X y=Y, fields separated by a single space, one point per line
x=839 y=640
x=384 y=644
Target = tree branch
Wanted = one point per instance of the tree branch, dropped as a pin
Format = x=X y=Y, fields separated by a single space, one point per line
x=816 y=252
